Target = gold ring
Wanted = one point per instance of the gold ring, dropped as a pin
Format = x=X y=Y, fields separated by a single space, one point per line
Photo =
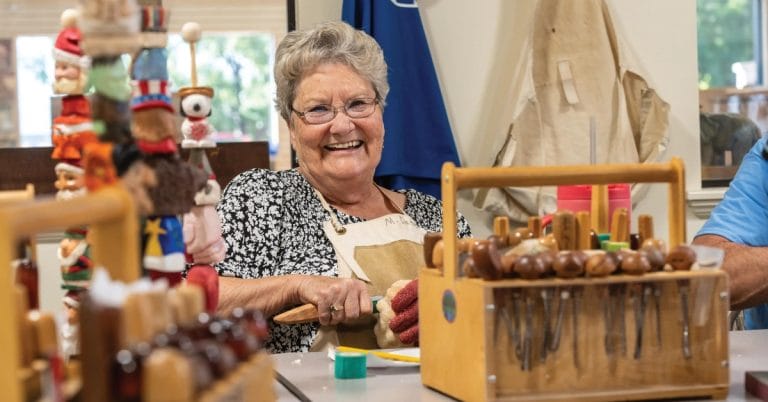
x=334 y=309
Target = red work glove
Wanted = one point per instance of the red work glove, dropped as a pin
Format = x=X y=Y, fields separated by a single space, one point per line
x=405 y=304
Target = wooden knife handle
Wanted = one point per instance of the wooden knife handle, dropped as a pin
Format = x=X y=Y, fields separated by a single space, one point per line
x=583 y=230
x=564 y=229
x=645 y=228
x=599 y=208
x=308 y=313
x=620 y=225
x=298 y=315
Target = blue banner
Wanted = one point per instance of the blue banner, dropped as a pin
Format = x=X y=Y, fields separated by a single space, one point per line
x=418 y=136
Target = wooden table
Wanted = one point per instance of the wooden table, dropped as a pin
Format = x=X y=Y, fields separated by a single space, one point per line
x=313 y=374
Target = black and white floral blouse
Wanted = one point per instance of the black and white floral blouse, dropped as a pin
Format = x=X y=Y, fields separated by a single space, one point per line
x=272 y=222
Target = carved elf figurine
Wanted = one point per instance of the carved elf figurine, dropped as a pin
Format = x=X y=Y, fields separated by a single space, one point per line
x=202 y=229
x=72 y=133
x=155 y=132
x=74 y=251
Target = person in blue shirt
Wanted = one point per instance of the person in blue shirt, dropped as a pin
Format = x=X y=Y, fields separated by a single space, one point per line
x=739 y=225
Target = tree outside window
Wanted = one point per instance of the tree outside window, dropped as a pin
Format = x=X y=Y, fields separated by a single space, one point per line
x=727 y=34
x=239 y=68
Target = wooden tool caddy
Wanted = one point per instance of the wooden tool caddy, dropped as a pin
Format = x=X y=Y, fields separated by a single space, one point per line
x=468 y=352
x=114 y=237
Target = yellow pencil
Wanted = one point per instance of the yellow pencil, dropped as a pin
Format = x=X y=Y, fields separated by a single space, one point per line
x=378 y=353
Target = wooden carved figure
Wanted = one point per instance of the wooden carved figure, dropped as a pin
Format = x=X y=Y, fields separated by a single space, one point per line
x=72 y=130
x=196 y=102
x=155 y=132
x=202 y=234
x=202 y=229
x=72 y=134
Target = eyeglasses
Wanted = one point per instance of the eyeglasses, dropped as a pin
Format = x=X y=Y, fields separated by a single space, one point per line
x=357 y=108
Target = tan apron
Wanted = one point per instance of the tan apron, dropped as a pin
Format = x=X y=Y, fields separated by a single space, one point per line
x=574 y=69
x=379 y=252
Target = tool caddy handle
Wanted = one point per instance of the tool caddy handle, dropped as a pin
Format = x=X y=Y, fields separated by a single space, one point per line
x=454 y=179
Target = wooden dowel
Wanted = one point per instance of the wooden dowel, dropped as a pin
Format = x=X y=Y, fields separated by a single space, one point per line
x=136 y=320
x=564 y=229
x=193 y=63
x=187 y=302
x=430 y=239
x=501 y=226
x=167 y=376
x=620 y=225
x=644 y=228
x=534 y=225
x=25 y=332
x=583 y=228
x=160 y=317
x=599 y=208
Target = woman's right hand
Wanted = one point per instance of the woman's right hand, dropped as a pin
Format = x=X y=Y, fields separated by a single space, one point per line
x=337 y=299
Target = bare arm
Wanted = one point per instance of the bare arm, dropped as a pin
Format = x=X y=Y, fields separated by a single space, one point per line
x=269 y=295
x=747 y=269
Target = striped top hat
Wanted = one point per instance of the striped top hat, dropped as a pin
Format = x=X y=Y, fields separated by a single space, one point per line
x=151 y=94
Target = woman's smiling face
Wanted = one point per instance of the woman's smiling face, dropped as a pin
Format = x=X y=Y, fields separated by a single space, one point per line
x=343 y=148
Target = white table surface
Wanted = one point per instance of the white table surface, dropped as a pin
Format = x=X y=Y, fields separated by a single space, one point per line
x=312 y=373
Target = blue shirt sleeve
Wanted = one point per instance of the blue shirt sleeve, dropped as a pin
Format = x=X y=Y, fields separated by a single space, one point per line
x=742 y=215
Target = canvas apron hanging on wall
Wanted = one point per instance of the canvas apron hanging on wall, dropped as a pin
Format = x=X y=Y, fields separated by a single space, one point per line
x=574 y=68
x=379 y=252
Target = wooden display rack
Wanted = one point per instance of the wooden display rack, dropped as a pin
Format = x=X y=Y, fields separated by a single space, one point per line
x=114 y=236
x=110 y=214
x=464 y=356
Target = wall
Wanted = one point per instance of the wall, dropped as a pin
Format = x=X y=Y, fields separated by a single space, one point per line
x=474 y=45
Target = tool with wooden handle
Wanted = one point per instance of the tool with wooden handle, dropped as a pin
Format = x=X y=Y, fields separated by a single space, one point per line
x=308 y=313
x=644 y=228
x=620 y=225
x=599 y=208
x=645 y=233
x=534 y=225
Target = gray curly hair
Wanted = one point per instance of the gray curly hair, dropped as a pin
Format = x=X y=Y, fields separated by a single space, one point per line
x=328 y=42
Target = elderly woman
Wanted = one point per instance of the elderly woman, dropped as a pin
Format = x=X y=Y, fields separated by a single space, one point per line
x=323 y=233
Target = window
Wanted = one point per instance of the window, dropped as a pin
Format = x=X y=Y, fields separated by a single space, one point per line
x=34 y=63
x=237 y=65
x=38 y=19
x=733 y=98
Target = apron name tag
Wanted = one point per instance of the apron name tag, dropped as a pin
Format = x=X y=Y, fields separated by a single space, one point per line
x=396 y=220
